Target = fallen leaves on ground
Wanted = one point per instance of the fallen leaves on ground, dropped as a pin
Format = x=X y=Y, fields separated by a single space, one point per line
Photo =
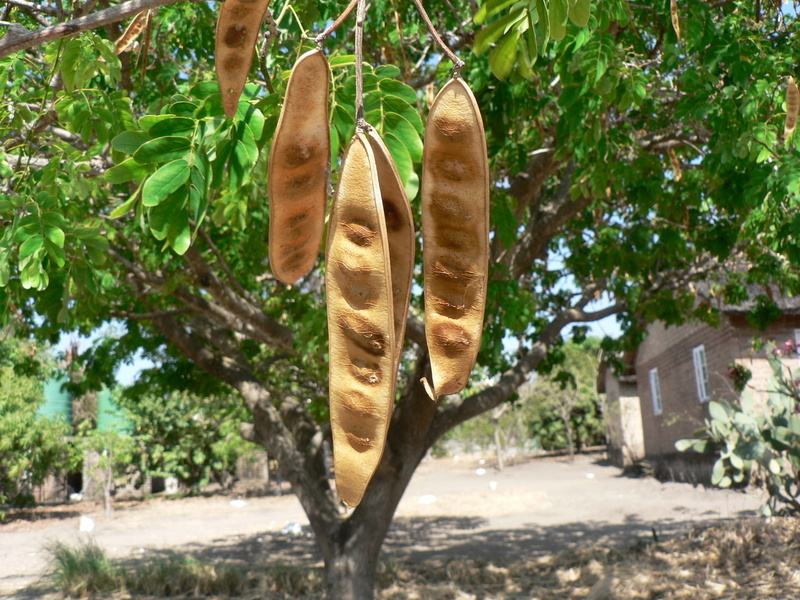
x=752 y=559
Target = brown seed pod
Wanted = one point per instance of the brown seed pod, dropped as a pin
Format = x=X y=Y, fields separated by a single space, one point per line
x=792 y=107
x=676 y=23
x=298 y=170
x=360 y=323
x=400 y=237
x=237 y=31
x=126 y=40
x=455 y=235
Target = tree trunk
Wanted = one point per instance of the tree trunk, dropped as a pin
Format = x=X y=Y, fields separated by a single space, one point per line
x=351 y=571
x=565 y=417
x=498 y=443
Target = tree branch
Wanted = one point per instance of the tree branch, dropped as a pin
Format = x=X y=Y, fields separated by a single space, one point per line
x=10 y=45
x=40 y=8
x=278 y=335
x=546 y=218
x=217 y=312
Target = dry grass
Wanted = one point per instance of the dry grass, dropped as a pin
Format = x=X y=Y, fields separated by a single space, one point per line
x=753 y=560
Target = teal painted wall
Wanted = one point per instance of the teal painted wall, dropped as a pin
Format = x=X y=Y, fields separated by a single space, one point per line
x=111 y=417
x=57 y=402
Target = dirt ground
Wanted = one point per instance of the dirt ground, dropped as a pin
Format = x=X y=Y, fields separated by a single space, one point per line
x=452 y=508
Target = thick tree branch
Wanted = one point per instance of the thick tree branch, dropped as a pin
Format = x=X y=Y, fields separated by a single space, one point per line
x=40 y=8
x=546 y=219
x=149 y=316
x=10 y=45
x=458 y=411
x=278 y=335
x=316 y=496
x=197 y=303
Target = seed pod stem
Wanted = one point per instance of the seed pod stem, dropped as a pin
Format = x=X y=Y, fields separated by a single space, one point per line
x=361 y=124
x=457 y=62
x=337 y=23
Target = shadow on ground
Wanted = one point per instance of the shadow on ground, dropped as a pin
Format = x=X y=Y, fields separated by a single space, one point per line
x=433 y=540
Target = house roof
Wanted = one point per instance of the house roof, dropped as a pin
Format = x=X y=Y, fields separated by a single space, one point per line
x=788 y=304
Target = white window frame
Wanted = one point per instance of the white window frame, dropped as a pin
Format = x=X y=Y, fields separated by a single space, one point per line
x=701 y=372
x=655 y=392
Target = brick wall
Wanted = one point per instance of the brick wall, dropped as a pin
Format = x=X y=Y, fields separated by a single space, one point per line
x=670 y=350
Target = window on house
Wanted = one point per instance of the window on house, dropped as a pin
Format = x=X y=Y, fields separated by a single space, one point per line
x=701 y=372
x=655 y=392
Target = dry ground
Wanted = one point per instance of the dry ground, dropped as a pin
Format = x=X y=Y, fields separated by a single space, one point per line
x=544 y=528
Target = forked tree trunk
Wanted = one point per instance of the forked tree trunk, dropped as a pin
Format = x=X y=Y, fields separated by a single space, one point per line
x=351 y=570
x=351 y=556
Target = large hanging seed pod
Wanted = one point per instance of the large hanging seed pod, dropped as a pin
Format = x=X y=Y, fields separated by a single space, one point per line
x=360 y=323
x=238 y=25
x=298 y=170
x=455 y=235
x=399 y=235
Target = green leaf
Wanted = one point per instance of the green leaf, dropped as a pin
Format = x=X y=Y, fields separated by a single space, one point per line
x=558 y=19
x=387 y=71
x=490 y=8
x=254 y=119
x=544 y=24
x=401 y=107
x=402 y=159
x=180 y=237
x=127 y=170
x=718 y=472
x=129 y=141
x=490 y=34
x=399 y=89
x=579 y=12
x=181 y=126
x=406 y=133
x=718 y=411
x=163 y=149
x=169 y=215
x=126 y=206
x=30 y=246
x=54 y=234
x=503 y=57
x=344 y=60
x=165 y=181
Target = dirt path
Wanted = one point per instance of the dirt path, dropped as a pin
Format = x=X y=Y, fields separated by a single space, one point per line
x=451 y=509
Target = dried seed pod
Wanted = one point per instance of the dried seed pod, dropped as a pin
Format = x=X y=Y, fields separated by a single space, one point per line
x=237 y=31
x=400 y=237
x=792 y=107
x=126 y=40
x=360 y=323
x=298 y=170
x=455 y=235
x=676 y=23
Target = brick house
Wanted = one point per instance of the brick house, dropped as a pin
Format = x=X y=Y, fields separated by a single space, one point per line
x=664 y=393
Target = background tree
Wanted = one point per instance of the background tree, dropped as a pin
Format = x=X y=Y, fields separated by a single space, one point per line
x=31 y=446
x=628 y=161
x=192 y=438
x=563 y=408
